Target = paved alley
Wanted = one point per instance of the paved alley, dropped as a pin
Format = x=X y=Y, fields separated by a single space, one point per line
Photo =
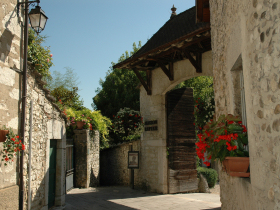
x=125 y=198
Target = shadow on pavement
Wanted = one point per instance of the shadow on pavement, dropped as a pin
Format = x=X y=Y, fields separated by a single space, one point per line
x=125 y=198
x=101 y=198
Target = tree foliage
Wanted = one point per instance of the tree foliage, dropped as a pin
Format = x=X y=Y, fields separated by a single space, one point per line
x=64 y=87
x=67 y=98
x=38 y=55
x=119 y=89
x=69 y=79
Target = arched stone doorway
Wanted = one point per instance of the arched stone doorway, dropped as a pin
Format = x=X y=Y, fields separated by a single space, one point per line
x=154 y=164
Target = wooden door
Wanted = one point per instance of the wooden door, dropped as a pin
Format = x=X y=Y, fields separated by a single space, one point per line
x=182 y=174
x=52 y=173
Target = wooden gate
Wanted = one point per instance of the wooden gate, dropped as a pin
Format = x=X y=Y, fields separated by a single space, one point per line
x=69 y=164
x=182 y=174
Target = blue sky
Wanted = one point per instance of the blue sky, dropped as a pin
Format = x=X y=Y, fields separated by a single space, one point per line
x=87 y=35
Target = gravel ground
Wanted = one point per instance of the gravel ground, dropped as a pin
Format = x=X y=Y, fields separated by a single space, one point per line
x=216 y=189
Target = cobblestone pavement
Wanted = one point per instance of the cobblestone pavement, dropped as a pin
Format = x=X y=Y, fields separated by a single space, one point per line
x=125 y=198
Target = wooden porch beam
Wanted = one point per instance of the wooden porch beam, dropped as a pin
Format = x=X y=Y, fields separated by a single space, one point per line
x=149 y=81
x=194 y=62
x=165 y=70
x=146 y=86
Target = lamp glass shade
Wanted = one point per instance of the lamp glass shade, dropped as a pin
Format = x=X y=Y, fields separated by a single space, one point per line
x=38 y=19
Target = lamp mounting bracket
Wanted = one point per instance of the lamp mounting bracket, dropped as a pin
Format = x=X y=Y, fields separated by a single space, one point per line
x=28 y=2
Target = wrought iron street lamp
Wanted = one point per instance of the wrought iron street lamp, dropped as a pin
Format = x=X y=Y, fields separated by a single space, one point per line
x=38 y=21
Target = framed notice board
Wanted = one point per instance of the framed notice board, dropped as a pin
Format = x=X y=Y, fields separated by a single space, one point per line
x=133 y=159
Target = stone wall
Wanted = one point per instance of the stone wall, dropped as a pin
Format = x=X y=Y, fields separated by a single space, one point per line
x=48 y=123
x=152 y=107
x=113 y=165
x=10 y=50
x=250 y=29
x=86 y=158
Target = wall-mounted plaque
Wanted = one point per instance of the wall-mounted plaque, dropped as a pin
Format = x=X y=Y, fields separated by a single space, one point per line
x=133 y=159
x=151 y=125
x=153 y=128
x=152 y=122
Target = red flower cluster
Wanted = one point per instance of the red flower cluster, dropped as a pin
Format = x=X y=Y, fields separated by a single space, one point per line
x=229 y=147
x=244 y=128
x=228 y=137
x=207 y=163
x=202 y=145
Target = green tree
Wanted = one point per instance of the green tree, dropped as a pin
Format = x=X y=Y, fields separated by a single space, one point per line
x=67 y=98
x=119 y=89
x=38 y=55
x=69 y=79
x=64 y=87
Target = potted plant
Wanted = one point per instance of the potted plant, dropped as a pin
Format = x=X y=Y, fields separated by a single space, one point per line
x=225 y=140
x=11 y=147
x=3 y=132
x=127 y=124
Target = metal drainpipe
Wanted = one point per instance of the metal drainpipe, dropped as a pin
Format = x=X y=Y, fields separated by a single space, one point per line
x=23 y=104
x=29 y=156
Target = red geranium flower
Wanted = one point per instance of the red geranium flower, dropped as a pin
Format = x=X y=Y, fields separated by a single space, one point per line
x=207 y=163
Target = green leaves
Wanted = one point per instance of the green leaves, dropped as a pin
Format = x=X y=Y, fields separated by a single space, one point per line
x=38 y=55
x=127 y=124
x=119 y=89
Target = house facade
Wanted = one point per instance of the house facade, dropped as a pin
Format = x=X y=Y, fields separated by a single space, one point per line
x=47 y=174
x=245 y=43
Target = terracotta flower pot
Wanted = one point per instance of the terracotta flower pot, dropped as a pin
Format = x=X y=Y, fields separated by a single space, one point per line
x=80 y=125
x=3 y=134
x=237 y=164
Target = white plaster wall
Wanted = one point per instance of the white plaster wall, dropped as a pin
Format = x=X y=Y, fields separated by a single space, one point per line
x=152 y=107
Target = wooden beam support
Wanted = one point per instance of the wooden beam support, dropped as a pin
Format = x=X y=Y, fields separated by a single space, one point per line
x=165 y=70
x=195 y=41
x=149 y=81
x=146 y=86
x=193 y=61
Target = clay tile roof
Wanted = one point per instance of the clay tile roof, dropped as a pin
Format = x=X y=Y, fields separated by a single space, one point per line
x=175 y=28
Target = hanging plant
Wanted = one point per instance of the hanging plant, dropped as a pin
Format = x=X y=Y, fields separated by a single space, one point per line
x=11 y=147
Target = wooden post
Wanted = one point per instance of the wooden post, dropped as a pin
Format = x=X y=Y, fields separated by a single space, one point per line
x=132 y=170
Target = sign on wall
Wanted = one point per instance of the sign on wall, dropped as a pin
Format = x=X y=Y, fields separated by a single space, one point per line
x=151 y=125
x=133 y=159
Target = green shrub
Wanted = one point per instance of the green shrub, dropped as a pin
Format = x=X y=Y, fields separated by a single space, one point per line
x=210 y=174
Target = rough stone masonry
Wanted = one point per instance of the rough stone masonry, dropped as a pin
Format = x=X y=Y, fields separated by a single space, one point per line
x=248 y=31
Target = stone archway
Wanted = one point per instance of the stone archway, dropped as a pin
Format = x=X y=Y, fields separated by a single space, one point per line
x=153 y=162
